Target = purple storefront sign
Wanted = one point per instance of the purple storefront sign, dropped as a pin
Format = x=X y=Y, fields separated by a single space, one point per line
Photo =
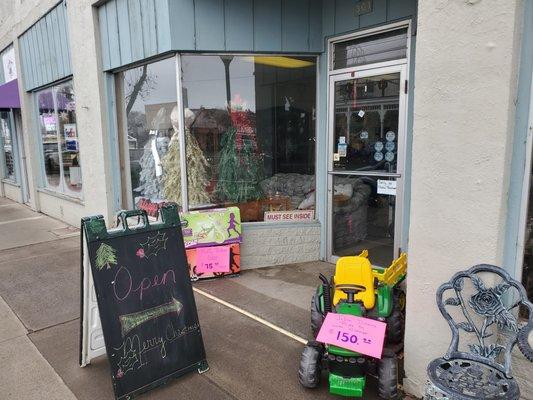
x=9 y=95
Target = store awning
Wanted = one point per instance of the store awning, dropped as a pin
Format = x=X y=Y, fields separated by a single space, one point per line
x=9 y=95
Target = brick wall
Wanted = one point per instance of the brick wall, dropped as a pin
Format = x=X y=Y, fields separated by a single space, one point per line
x=274 y=245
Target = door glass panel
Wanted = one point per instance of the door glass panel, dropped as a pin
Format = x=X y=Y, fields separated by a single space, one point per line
x=363 y=211
x=366 y=124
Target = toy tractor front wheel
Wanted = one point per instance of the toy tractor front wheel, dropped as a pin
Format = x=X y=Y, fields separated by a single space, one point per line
x=388 y=378
x=310 y=365
x=317 y=318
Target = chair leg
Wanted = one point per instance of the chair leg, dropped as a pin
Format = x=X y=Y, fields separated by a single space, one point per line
x=433 y=393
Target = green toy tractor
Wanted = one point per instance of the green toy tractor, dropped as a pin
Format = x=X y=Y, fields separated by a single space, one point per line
x=361 y=290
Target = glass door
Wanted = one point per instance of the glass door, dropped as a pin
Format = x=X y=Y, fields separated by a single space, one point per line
x=366 y=161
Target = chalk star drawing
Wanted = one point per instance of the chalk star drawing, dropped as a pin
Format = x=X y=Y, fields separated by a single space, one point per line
x=131 y=321
x=153 y=245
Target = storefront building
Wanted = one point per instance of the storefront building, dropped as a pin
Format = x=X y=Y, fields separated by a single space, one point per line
x=334 y=126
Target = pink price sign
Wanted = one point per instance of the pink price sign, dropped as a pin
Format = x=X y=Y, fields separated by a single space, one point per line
x=212 y=259
x=363 y=335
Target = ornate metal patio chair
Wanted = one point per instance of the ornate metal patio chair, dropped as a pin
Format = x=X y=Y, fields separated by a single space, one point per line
x=484 y=302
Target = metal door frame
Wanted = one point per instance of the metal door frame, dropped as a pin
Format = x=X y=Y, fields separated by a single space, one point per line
x=363 y=72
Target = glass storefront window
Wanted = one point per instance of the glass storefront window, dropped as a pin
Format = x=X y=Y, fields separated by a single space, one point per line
x=249 y=132
x=150 y=107
x=8 y=145
x=59 y=139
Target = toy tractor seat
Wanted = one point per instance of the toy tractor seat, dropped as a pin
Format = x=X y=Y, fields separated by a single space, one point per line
x=354 y=273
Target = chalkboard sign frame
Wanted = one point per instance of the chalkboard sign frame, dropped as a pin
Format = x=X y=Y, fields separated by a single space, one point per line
x=95 y=233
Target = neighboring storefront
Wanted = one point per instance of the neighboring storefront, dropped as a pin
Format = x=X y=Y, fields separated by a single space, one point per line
x=12 y=172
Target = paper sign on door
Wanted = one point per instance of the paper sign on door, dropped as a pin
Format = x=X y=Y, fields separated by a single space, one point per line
x=386 y=187
x=362 y=335
x=212 y=259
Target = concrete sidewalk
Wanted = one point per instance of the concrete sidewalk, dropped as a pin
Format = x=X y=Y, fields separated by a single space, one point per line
x=39 y=334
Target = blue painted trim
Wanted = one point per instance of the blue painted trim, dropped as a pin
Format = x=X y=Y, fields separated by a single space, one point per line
x=322 y=152
x=519 y=151
x=112 y=141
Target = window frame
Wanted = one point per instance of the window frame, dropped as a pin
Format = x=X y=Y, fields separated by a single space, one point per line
x=118 y=74
x=61 y=189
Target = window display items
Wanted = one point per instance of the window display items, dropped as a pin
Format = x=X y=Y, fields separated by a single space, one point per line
x=150 y=177
x=6 y=142
x=71 y=137
x=59 y=139
x=196 y=164
x=241 y=164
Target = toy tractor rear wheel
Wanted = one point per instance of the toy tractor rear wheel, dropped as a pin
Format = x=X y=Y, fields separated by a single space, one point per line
x=310 y=365
x=396 y=320
x=388 y=378
x=316 y=315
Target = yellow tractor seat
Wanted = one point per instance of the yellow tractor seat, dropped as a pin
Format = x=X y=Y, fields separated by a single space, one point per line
x=354 y=272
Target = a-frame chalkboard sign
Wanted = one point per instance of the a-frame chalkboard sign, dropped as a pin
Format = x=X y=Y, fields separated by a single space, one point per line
x=145 y=300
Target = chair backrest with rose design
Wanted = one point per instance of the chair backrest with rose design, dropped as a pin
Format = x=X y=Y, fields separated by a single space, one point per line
x=481 y=307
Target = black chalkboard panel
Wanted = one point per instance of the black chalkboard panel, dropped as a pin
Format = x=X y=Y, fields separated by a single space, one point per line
x=145 y=300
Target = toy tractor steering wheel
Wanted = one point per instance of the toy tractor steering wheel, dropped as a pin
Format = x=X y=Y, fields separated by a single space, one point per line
x=351 y=291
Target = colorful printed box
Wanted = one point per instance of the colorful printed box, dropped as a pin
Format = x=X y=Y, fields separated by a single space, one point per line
x=211 y=227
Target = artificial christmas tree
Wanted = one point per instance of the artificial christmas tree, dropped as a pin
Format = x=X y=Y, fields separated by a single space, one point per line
x=196 y=165
x=240 y=166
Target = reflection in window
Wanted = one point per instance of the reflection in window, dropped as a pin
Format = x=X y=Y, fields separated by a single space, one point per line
x=363 y=218
x=7 y=144
x=252 y=121
x=152 y=120
x=382 y=47
x=59 y=139
x=366 y=123
x=249 y=132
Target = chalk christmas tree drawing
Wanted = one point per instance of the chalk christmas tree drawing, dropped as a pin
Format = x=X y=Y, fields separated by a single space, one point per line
x=105 y=256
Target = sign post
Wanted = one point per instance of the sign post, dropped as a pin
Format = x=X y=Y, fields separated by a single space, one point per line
x=145 y=301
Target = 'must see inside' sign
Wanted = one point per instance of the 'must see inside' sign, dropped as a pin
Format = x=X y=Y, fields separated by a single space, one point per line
x=289 y=216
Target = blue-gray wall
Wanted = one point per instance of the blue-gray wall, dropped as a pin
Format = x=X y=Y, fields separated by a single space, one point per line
x=133 y=30
x=520 y=150
x=45 y=49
